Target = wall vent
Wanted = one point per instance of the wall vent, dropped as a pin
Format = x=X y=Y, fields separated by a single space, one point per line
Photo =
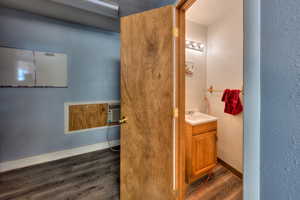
x=85 y=116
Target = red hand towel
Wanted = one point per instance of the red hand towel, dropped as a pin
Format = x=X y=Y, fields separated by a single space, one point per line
x=233 y=104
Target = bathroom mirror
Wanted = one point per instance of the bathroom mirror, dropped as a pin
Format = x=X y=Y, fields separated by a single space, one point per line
x=25 y=68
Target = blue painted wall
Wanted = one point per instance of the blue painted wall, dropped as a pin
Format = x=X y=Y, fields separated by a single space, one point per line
x=166 y=2
x=280 y=99
x=32 y=119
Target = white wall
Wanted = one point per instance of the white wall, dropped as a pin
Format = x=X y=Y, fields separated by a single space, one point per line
x=196 y=83
x=225 y=70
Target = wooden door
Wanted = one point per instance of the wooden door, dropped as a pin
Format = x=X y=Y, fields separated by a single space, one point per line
x=147 y=75
x=203 y=154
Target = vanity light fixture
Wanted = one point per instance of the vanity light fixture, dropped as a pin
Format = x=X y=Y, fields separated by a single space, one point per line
x=197 y=46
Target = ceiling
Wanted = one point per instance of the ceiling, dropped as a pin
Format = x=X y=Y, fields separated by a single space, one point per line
x=206 y=12
x=58 y=11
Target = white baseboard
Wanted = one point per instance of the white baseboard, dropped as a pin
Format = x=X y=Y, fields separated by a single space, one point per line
x=43 y=158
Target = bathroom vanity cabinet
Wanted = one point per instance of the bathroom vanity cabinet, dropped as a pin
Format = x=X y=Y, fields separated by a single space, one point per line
x=201 y=150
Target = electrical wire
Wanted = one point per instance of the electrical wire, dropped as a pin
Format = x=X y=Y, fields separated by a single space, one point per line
x=109 y=141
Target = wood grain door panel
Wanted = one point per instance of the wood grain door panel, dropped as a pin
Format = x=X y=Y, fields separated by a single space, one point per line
x=147 y=103
x=203 y=152
x=210 y=126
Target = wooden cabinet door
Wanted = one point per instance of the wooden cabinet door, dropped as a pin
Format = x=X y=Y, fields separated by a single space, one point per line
x=147 y=101
x=204 y=153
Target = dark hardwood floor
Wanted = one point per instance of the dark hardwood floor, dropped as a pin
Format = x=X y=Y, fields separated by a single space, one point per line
x=89 y=176
x=224 y=185
x=95 y=176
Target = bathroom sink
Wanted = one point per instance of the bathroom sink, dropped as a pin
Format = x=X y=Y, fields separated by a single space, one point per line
x=197 y=118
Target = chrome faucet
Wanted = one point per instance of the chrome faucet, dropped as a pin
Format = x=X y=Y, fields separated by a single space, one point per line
x=190 y=112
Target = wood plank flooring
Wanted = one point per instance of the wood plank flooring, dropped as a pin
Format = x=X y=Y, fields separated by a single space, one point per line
x=95 y=176
x=89 y=176
x=224 y=185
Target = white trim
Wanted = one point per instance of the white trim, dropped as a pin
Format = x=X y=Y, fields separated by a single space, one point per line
x=90 y=129
x=43 y=158
x=92 y=102
x=66 y=113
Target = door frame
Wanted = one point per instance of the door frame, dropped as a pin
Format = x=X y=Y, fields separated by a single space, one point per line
x=181 y=8
x=252 y=91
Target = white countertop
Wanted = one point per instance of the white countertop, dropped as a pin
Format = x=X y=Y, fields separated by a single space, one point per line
x=198 y=118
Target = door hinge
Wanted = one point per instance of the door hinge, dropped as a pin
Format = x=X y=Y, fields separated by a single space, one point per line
x=175 y=32
x=176 y=113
